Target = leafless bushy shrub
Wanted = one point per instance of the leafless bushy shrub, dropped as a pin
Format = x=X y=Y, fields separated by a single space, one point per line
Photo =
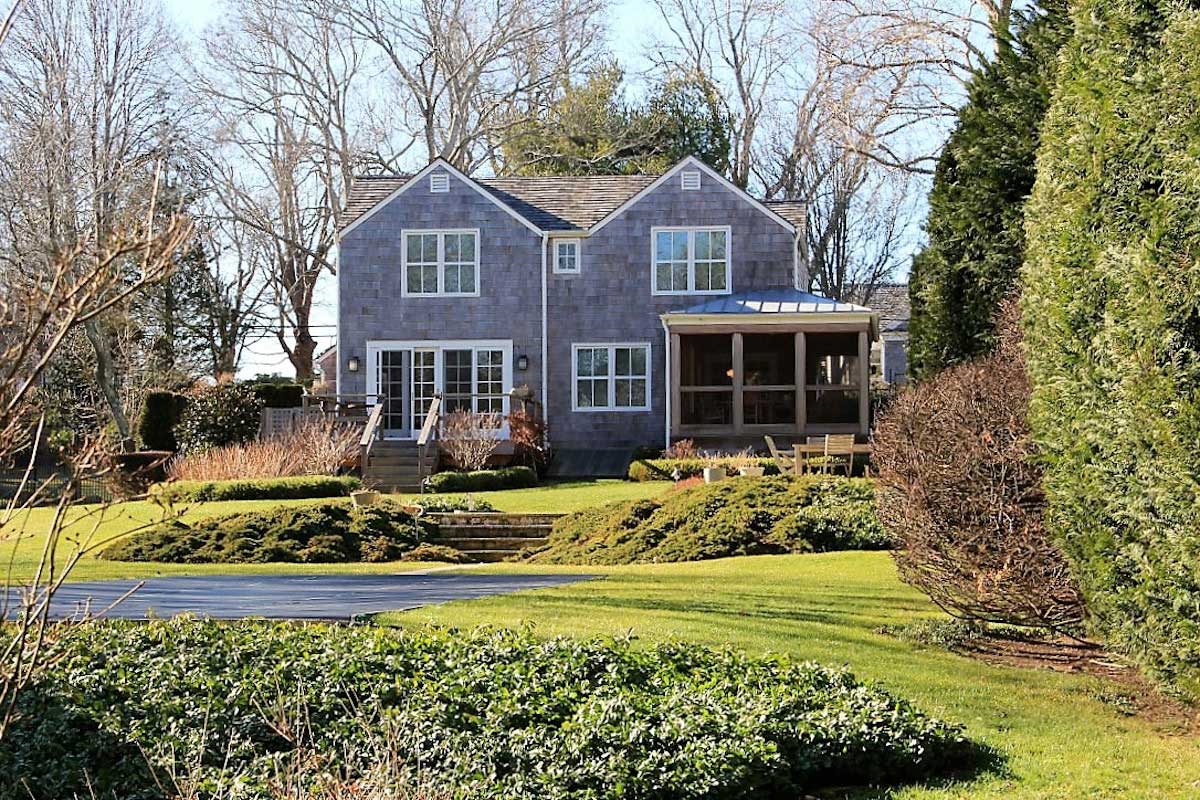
x=961 y=492
x=318 y=446
x=471 y=439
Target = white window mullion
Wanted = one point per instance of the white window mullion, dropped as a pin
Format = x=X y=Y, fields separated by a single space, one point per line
x=612 y=377
x=691 y=276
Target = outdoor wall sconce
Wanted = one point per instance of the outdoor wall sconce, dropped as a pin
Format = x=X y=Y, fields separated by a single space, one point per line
x=352 y=364
x=522 y=362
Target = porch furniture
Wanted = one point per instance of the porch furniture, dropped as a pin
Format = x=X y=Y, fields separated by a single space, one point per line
x=810 y=460
x=786 y=460
x=839 y=451
x=820 y=450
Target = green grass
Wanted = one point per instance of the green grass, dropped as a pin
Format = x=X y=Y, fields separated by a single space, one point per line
x=23 y=539
x=1059 y=740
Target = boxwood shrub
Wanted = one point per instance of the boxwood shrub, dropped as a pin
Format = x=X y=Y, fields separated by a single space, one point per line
x=665 y=469
x=485 y=480
x=259 y=488
x=740 y=516
x=321 y=533
x=489 y=714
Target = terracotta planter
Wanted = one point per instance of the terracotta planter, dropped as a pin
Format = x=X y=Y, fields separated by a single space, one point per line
x=364 y=497
x=714 y=474
x=751 y=472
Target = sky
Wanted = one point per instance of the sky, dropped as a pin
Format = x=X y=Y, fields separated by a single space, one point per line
x=629 y=37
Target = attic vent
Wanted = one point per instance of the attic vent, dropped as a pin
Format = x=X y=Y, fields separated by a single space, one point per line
x=691 y=180
x=439 y=183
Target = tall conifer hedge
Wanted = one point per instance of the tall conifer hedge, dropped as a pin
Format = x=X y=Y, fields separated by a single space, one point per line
x=1112 y=310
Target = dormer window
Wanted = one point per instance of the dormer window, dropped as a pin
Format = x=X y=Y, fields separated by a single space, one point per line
x=439 y=183
x=690 y=180
x=566 y=257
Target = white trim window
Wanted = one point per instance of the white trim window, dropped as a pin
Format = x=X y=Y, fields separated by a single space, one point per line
x=690 y=261
x=567 y=256
x=610 y=377
x=441 y=263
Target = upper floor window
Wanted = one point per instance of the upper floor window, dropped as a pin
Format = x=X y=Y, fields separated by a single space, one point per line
x=441 y=263
x=691 y=261
x=566 y=256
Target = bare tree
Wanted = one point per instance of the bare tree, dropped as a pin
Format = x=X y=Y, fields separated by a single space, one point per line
x=469 y=74
x=235 y=291
x=280 y=81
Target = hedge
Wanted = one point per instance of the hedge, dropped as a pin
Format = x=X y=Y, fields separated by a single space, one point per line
x=739 y=516
x=659 y=469
x=322 y=533
x=486 y=480
x=161 y=412
x=489 y=714
x=258 y=488
x=279 y=395
x=218 y=416
x=1112 y=303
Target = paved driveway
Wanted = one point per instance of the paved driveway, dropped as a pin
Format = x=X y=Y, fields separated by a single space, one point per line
x=319 y=597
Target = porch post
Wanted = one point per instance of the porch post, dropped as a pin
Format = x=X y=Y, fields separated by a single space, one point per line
x=738 y=378
x=801 y=383
x=864 y=382
x=676 y=371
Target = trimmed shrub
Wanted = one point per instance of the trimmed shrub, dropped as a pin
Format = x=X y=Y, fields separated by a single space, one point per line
x=258 y=489
x=161 y=412
x=435 y=552
x=960 y=491
x=737 y=517
x=603 y=719
x=323 y=533
x=486 y=480
x=219 y=416
x=445 y=504
x=665 y=469
x=279 y=395
x=1112 y=302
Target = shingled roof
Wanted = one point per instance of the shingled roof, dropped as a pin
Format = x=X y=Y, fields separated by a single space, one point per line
x=890 y=300
x=551 y=203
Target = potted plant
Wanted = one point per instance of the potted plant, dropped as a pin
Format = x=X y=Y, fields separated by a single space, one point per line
x=364 y=497
x=748 y=465
x=714 y=471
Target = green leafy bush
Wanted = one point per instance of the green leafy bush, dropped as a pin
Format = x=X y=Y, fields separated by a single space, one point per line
x=660 y=469
x=1112 y=311
x=259 y=488
x=740 y=516
x=435 y=552
x=490 y=714
x=322 y=533
x=485 y=480
x=219 y=416
x=444 y=504
x=161 y=412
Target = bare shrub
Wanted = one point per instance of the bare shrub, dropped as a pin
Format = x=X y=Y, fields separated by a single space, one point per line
x=684 y=448
x=961 y=493
x=318 y=446
x=527 y=431
x=471 y=439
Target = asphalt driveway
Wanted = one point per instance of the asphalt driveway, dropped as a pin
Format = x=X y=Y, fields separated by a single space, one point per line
x=312 y=597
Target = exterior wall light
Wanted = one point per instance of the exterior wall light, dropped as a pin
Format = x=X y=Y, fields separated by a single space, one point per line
x=352 y=364
x=522 y=362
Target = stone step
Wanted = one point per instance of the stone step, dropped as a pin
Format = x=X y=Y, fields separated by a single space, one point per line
x=512 y=544
x=472 y=519
x=494 y=531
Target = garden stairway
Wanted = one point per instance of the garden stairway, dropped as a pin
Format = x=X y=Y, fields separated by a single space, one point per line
x=492 y=537
x=393 y=466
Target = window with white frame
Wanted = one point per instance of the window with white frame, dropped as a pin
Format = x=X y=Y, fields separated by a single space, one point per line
x=566 y=256
x=442 y=263
x=611 y=377
x=691 y=261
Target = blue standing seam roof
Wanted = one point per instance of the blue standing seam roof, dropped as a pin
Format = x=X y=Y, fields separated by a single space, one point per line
x=773 y=301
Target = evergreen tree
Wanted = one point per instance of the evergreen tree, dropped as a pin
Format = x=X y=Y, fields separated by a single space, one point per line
x=976 y=208
x=1112 y=316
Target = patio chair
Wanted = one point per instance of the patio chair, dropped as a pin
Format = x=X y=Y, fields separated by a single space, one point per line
x=812 y=461
x=839 y=451
x=782 y=460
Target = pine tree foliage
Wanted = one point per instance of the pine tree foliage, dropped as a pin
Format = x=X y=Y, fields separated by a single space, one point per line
x=976 y=215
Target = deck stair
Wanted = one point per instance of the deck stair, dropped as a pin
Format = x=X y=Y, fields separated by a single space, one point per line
x=492 y=537
x=393 y=466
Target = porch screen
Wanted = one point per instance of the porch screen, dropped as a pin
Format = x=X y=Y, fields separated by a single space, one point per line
x=769 y=379
x=706 y=379
x=833 y=378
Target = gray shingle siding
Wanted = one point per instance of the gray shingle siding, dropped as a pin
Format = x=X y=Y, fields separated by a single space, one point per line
x=609 y=302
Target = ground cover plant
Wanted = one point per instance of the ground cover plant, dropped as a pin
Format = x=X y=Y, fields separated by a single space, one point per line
x=320 y=533
x=490 y=714
x=290 y=488
x=1059 y=736
x=740 y=516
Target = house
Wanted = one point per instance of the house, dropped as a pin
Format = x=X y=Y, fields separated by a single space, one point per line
x=635 y=309
x=889 y=356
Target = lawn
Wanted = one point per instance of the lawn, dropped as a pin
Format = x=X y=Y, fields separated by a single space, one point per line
x=1058 y=737
x=22 y=541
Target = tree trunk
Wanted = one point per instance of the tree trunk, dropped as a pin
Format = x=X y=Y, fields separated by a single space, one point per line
x=106 y=378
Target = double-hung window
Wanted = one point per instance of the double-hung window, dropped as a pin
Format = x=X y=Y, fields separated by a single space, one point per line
x=611 y=377
x=690 y=261
x=441 y=263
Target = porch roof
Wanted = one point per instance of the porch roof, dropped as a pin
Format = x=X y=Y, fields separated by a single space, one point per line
x=772 y=301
